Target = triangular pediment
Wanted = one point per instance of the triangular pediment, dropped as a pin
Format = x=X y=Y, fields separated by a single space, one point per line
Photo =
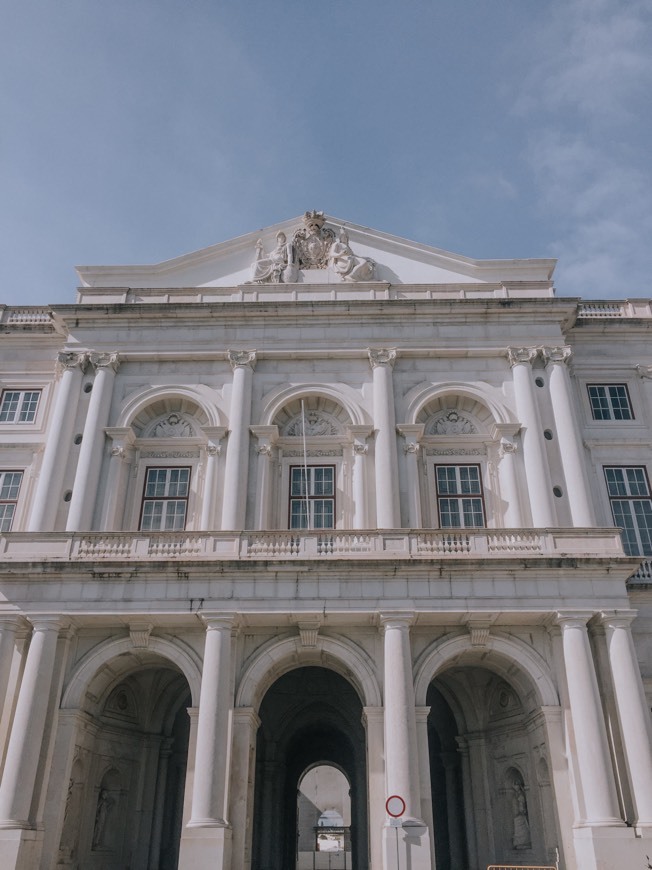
x=328 y=251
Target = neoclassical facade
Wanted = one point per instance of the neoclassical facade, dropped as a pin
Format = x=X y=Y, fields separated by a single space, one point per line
x=297 y=524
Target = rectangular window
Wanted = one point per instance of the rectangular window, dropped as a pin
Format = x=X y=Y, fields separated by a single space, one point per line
x=459 y=496
x=610 y=402
x=19 y=406
x=9 y=488
x=165 y=500
x=312 y=507
x=631 y=506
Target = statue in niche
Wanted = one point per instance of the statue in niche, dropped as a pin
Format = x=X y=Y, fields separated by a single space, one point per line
x=521 y=838
x=105 y=804
x=346 y=264
x=174 y=426
x=276 y=267
x=313 y=242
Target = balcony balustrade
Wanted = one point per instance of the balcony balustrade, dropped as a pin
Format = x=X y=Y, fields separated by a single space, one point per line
x=264 y=546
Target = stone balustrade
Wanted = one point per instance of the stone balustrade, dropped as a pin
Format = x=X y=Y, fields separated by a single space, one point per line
x=385 y=544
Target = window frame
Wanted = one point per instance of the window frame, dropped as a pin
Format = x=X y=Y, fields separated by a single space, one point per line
x=610 y=402
x=631 y=499
x=312 y=498
x=22 y=393
x=458 y=496
x=145 y=499
x=10 y=501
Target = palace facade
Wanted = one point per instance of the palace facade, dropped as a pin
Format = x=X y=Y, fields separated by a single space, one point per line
x=300 y=523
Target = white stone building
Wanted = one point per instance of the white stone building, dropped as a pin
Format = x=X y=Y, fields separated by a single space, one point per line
x=336 y=504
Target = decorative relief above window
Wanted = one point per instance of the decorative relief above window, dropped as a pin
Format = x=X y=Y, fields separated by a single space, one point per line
x=451 y=423
x=317 y=425
x=170 y=426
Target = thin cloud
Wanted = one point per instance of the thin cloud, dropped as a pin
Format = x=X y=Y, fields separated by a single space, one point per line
x=586 y=148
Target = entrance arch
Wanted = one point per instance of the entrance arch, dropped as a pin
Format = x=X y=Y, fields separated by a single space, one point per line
x=310 y=716
x=488 y=752
x=122 y=798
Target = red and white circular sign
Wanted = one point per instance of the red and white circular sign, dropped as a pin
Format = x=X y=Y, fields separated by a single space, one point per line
x=395 y=806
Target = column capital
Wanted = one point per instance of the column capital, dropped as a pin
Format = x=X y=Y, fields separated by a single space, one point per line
x=241 y=359
x=617 y=618
x=507 y=445
x=104 y=361
x=373 y=714
x=521 y=355
x=381 y=357
x=643 y=371
x=413 y=433
x=573 y=619
x=556 y=355
x=421 y=714
x=69 y=360
x=398 y=619
x=218 y=621
x=13 y=622
x=267 y=437
x=47 y=622
x=246 y=716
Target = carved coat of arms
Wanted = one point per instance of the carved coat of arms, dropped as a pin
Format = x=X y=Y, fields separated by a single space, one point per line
x=312 y=242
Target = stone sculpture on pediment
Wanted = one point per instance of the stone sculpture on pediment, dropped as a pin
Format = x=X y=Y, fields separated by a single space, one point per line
x=312 y=243
x=276 y=267
x=346 y=264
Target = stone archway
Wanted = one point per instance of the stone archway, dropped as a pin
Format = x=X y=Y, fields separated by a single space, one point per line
x=488 y=743
x=123 y=797
x=309 y=716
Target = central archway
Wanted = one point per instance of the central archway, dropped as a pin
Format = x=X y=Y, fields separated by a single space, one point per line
x=310 y=716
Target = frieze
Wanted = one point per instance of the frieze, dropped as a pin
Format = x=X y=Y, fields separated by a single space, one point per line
x=293 y=453
x=170 y=454
x=456 y=451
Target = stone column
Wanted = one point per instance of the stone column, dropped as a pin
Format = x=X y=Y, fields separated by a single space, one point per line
x=412 y=435
x=593 y=756
x=267 y=436
x=84 y=491
x=387 y=501
x=241 y=800
x=568 y=434
x=402 y=773
x=633 y=713
x=28 y=728
x=534 y=450
x=70 y=367
x=509 y=489
x=360 y=449
x=159 y=805
x=237 y=450
x=215 y=702
x=451 y=762
x=423 y=759
x=409 y=847
x=122 y=451
x=373 y=721
x=214 y=435
x=467 y=794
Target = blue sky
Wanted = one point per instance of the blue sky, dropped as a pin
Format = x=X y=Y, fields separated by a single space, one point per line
x=138 y=130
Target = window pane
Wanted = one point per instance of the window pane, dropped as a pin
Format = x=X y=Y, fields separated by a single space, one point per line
x=322 y=514
x=298 y=486
x=10 y=484
x=298 y=514
x=449 y=513
x=28 y=408
x=637 y=481
x=599 y=403
x=6 y=516
x=620 y=402
x=9 y=406
x=622 y=511
x=643 y=514
x=473 y=515
x=615 y=481
x=175 y=516
x=469 y=479
x=446 y=480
